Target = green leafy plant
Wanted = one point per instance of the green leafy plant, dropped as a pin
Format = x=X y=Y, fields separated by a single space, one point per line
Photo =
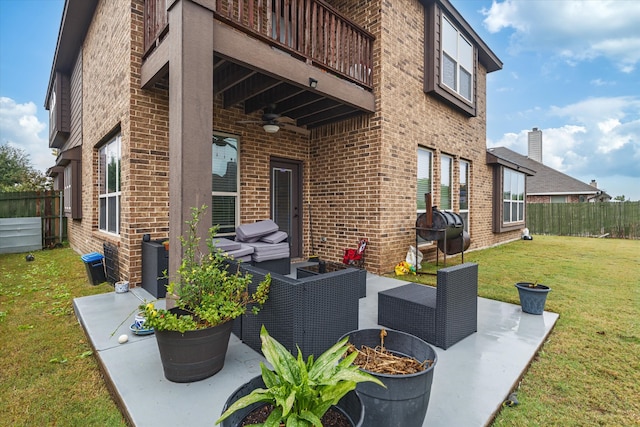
x=208 y=293
x=302 y=392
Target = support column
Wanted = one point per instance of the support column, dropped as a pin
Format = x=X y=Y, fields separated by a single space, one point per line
x=190 y=120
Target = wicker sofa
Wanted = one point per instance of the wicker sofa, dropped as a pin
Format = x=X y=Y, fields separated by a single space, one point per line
x=441 y=316
x=311 y=312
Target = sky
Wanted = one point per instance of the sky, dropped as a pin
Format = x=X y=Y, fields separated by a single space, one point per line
x=571 y=69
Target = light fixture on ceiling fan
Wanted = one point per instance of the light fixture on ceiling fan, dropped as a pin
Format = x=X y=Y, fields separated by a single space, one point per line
x=272 y=122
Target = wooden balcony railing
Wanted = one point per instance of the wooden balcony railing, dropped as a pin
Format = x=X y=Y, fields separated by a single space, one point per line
x=309 y=29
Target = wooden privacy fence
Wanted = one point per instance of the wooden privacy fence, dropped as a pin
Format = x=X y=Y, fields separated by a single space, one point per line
x=620 y=220
x=43 y=204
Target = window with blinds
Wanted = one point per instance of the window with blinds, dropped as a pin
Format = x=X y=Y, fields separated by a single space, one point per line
x=225 y=196
x=425 y=173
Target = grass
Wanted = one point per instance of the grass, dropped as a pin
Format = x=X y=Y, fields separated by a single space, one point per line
x=587 y=373
x=48 y=375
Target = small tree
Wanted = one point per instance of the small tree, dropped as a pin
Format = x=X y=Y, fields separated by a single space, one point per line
x=17 y=173
x=620 y=198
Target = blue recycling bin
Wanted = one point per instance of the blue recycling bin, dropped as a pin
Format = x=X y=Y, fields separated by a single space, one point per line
x=95 y=267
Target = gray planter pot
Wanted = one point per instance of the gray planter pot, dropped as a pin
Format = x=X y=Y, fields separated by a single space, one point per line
x=532 y=297
x=350 y=405
x=193 y=355
x=405 y=400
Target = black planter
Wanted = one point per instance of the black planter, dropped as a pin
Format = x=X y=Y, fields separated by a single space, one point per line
x=405 y=400
x=193 y=355
x=350 y=405
x=532 y=297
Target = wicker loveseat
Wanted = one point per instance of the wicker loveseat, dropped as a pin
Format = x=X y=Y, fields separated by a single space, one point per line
x=311 y=312
x=441 y=316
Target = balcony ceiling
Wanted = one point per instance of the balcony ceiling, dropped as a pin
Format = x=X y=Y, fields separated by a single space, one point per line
x=254 y=90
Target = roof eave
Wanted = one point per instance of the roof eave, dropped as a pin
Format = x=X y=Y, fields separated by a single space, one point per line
x=76 y=17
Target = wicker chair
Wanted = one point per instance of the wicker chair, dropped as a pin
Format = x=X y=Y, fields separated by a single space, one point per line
x=311 y=312
x=441 y=316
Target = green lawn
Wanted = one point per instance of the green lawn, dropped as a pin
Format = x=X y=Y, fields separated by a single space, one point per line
x=587 y=373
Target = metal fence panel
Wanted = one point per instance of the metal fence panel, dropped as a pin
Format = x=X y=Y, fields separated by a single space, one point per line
x=20 y=235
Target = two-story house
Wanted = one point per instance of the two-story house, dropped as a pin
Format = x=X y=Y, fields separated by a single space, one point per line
x=332 y=117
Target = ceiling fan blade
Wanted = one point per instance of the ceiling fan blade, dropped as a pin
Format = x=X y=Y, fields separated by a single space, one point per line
x=294 y=128
x=285 y=119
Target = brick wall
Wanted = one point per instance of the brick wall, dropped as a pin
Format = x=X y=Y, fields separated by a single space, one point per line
x=359 y=175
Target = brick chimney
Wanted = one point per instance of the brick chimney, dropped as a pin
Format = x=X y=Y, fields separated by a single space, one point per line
x=535 y=145
x=594 y=183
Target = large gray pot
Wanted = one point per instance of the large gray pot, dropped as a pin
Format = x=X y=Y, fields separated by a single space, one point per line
x=405 y=400
x=193 y=355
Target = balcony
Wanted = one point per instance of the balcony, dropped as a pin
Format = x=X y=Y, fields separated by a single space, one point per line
x=309 y=30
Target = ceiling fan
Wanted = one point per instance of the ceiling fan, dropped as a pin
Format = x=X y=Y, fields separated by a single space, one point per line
x=272 y=122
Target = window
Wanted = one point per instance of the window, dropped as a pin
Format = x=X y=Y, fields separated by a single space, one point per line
x=424 y=177
x=109 y=186
x=558 y=199
x=512 y=196
x=464 y=193
x=446 y=178
x=225 y=203
x=457 y=61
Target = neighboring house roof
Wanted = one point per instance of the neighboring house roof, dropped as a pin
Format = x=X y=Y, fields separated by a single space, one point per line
x=546 y=181
x=497 y=157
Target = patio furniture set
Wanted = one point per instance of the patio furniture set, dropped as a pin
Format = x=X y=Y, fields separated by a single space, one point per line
x=315 y=309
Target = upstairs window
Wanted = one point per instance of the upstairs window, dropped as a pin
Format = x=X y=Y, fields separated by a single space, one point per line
x=457 y=61
x=109 y=186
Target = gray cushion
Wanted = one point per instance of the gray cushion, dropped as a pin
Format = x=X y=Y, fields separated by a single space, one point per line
x=270 y=255
x=277 y=237
x=244 y=250
x=249 y=232
x=263 y=248
x=226 y=245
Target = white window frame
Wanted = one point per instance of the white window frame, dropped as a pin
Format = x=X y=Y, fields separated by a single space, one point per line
x=460 y=51
x=108 y=152
x=235 y=194
x=513 y=204
x=465 y=178
x=421 y=169
x=449 y=177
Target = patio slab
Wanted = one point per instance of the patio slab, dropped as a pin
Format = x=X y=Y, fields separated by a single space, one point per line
x=471 y=378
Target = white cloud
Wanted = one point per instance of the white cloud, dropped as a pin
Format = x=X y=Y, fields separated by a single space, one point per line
x=20 y=127
x=599 y=140
x=574 y=30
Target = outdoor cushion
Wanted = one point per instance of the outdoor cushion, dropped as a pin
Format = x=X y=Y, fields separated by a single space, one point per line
x=226 y=245
x=269 y=256
x=254 y=231
x=244 y=250
x=277 y=237
x=263 y=248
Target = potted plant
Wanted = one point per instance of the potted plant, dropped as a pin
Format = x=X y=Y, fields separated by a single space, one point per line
x=299 y=393
x=194 y=335
x=533 y=297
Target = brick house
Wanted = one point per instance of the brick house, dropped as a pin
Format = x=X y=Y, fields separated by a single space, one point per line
x=384 y=101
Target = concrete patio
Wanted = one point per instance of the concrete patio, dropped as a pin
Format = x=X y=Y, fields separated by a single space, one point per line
x=471 y=379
